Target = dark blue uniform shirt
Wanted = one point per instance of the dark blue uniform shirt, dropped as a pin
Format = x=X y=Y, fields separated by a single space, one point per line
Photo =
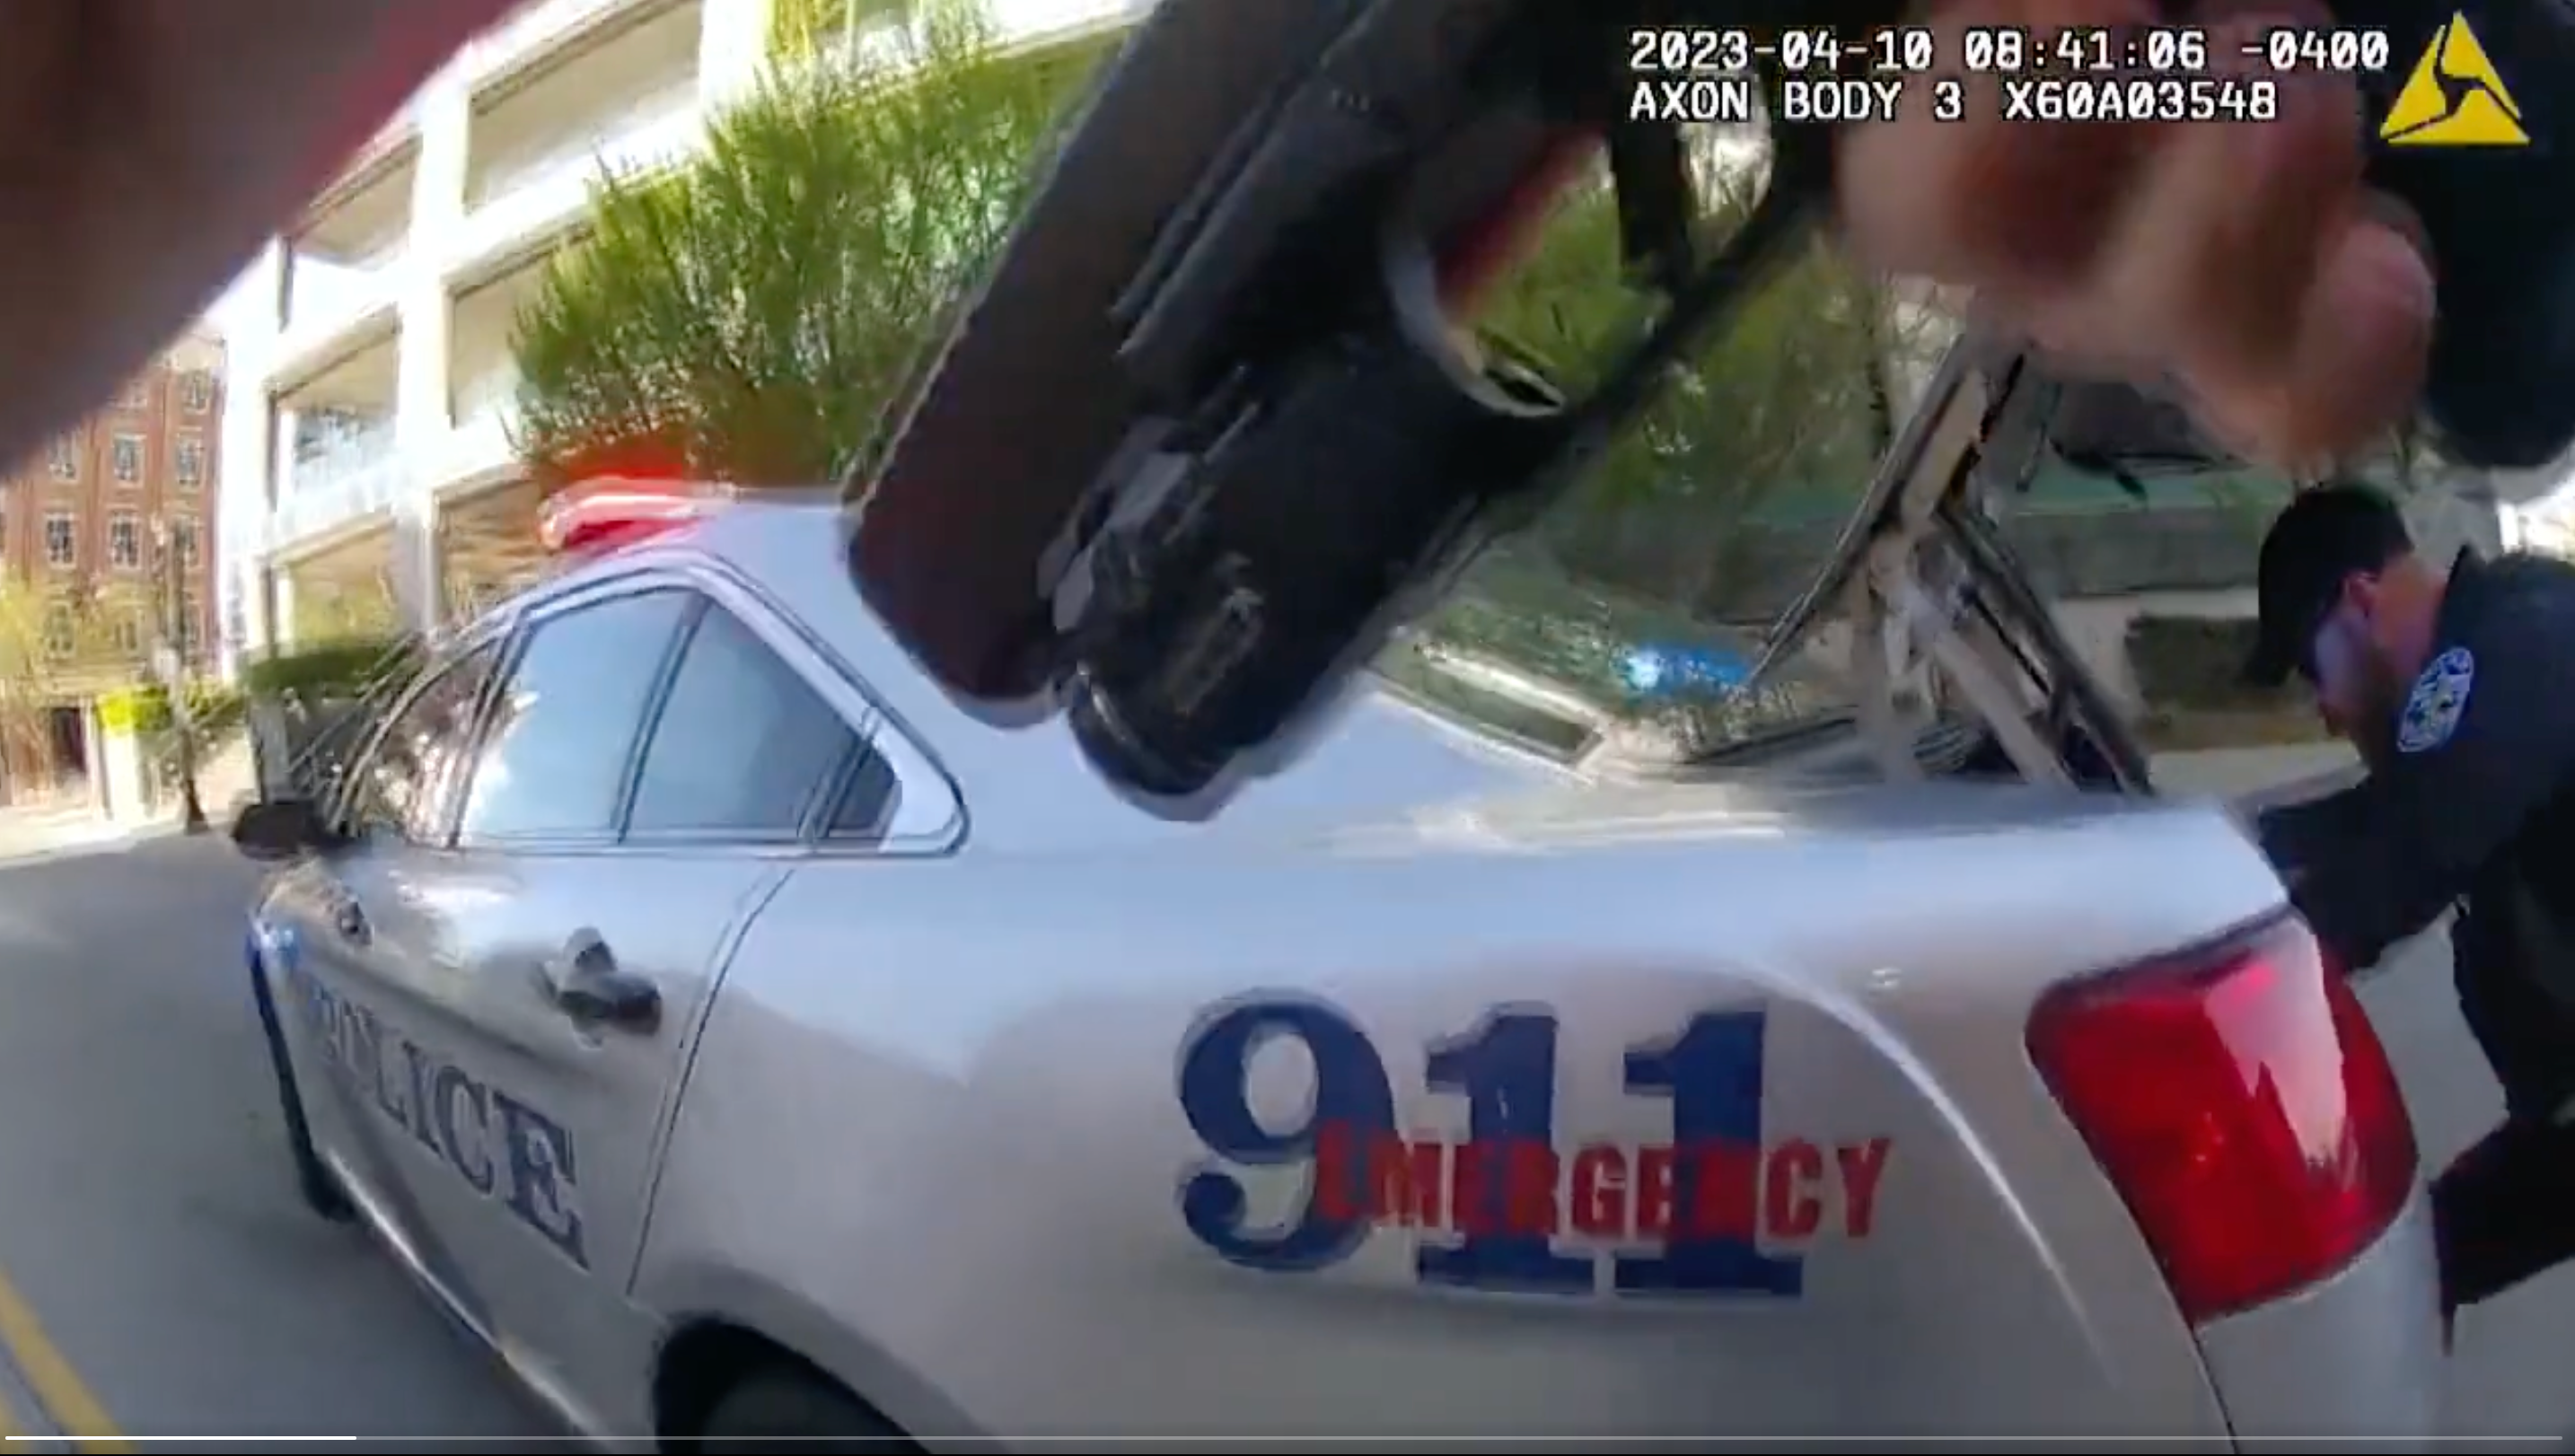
x=2474 y=805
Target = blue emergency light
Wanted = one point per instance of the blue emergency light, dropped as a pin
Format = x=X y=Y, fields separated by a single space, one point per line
x=1665 y=671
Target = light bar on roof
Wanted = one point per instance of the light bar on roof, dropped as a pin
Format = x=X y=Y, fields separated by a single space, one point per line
x=613 y=511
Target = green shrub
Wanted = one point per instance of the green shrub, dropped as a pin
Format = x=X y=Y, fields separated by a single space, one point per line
x=2197 y=663
x=145 y=708
x=335 y=669
x=216 y=712
x=756 y=316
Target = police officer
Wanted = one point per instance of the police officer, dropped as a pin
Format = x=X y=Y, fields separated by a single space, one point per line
x=2457 y=688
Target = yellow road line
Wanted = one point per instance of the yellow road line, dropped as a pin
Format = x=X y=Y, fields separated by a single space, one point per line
x=57 y=1386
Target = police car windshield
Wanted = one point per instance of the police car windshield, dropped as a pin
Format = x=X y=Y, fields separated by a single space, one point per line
x=1631 y=609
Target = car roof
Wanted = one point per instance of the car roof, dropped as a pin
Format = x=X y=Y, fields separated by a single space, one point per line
x=1029 y=786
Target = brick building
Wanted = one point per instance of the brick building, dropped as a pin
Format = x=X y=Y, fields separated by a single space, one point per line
x=107 y=541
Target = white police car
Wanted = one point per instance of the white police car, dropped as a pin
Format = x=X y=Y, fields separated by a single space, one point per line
x=749 y=1043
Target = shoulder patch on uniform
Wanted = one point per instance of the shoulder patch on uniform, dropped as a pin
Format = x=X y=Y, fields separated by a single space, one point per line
x=2440 y=695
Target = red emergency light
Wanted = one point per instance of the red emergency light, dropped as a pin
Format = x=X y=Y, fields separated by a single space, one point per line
x=611 y=512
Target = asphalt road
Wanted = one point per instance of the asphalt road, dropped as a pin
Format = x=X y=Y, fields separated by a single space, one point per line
x=147 y=1219
x=148 y=1233
x=2508 y=1378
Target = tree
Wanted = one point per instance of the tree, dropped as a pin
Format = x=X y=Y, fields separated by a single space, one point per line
x=179 y=732
x=758 y=315
x=755 y=316
x=44 y=637
x=64 y=644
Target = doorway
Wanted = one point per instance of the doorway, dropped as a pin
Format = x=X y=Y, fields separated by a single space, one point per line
x=67 y=743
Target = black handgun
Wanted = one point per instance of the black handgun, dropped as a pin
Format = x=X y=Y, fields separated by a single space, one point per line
x=1206 y=433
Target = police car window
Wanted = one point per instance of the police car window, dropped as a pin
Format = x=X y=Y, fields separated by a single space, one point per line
x=1630 y=612
x=563 y=725
x=743 y=743
x=868 y=797
x=400 y=789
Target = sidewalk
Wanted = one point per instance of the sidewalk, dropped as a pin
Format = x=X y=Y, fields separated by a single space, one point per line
x=39 y=833
x=2246 y=772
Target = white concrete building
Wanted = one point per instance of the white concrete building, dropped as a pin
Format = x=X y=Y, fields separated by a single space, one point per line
x=365 y=424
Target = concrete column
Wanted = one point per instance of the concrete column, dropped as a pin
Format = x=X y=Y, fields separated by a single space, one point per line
x=731 y=49
x=444 y=110
x=246 y=451
x=96 y=751
x=423 y=418
x=421 y=404
x=418 y=590
x=281 y=608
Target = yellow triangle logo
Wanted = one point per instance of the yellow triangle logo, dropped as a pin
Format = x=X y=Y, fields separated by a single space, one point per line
x=2454 y=97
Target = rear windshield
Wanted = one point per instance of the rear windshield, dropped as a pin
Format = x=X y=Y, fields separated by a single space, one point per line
x=1630 y=610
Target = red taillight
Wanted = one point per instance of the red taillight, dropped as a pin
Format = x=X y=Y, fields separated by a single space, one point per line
x=601 y=515
x=2243 y=1107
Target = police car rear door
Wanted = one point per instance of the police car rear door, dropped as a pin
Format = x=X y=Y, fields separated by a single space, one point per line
x=588 y=962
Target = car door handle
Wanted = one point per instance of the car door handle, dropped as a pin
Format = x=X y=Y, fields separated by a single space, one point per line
x=350 y=920
x=585 y=983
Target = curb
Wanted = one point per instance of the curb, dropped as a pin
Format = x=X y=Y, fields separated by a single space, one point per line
x=101 y=838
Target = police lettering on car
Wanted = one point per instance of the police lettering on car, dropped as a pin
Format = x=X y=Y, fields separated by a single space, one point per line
x=1725 y=1205
x=2458 y=690
x=499 y=1145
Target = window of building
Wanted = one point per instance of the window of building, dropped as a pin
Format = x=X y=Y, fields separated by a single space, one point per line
x=128 y=634
x=187 y=624
x=61 y=635
x=124 y=541
x=125 y=457
x=197 y=390
x=62 y=544
x=187 y=463
x=183 y=542
x=63 y=457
